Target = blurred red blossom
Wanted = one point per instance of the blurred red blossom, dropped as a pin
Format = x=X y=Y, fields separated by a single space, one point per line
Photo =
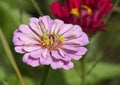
x=86 y=13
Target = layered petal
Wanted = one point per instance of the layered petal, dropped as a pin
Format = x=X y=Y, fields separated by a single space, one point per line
x=61 y=11
x=68 y=65
x=50 y=42
x=57 y=64
x=89 y=14
x=30 y=61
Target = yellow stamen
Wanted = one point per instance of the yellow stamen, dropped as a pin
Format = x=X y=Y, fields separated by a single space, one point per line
x=46 y=42
x=88 y=9
x=75 y=11
x=61 y=39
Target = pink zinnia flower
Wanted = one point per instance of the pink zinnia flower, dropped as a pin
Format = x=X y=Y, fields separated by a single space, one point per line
x=50 y=42
x=88 y=13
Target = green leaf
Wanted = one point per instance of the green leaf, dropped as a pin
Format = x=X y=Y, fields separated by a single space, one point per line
x=103 y=71
x=9 y=22
x=13 y=80
x=2 y=72
x=56 y=77
x=28 y=81
x=117 y=9
x=72 y=77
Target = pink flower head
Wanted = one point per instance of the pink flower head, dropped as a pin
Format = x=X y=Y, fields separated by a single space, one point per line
x=88 y=13
x=50 y=42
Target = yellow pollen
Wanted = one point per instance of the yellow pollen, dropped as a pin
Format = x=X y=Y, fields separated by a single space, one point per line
x=61 y=39
x=88 y=9
x=75 y=11
x=46 y=42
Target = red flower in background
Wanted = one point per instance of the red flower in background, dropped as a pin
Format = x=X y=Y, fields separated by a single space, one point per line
x=88 y=13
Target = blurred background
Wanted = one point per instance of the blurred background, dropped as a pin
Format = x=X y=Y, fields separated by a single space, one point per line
x=103 y=51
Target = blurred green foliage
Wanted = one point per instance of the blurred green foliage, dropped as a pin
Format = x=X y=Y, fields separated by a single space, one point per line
x=104 y=46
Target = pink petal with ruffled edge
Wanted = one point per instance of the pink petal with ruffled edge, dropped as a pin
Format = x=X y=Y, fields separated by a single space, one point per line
x=56 y=65
x=37 y=52
x=30 y=61
x=46 y=60
x=34 y=20
x=31 y=48
x=19 y=49
x=68 y=65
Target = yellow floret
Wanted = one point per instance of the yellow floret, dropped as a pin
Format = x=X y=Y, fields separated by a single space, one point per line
x=45 y=41
x=61 y=39
x=88 y=9
x=75 y=11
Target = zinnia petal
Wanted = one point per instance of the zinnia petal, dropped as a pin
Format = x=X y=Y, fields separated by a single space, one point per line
x=50 y=42
x=68 y=65
x=45 y=61
x=56 y=64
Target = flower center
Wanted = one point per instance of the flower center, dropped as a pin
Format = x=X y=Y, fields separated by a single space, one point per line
x=89 y=10
x=75 y=11
x=52 y=42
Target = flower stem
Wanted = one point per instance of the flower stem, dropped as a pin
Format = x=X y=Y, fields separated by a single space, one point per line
x=83 y=71
x=93 y=66
x=43 y=80
x=37 y=7
x=10 y=56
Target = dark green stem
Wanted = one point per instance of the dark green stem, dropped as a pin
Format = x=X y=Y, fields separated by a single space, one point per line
x=93 y=66
x=37 y=7
x=11 y=57
x=44 y=78
x=83 y=71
